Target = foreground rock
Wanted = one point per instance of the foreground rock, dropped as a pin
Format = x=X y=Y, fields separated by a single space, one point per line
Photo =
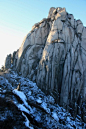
x=30 y=108
x=53 y=55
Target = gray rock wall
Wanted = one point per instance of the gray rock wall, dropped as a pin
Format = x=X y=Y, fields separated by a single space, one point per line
x=8 y=62
x=53 y=55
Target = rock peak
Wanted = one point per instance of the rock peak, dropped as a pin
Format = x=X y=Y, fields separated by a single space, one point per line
x=53 y=11
x=53 y=55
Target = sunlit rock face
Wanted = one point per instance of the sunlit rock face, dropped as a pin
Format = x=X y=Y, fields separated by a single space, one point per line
x=53 y=55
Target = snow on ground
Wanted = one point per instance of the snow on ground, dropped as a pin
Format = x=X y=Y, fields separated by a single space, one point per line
x=20 y=94
x=44 y=105
x=39 y=100
x=55 y=115
x=27 y=122
x=22 y=108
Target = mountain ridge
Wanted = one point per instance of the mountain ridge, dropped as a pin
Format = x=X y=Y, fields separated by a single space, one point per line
x=53 y=55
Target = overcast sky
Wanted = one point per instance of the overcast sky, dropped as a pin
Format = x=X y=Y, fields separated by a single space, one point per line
x=18 y=16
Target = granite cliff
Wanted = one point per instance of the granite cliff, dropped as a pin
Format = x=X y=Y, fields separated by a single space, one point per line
x=53 y=55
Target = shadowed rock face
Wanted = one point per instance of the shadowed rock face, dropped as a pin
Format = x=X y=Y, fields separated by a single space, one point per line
x=10 y=116
x=8 y=61
x=53 y=55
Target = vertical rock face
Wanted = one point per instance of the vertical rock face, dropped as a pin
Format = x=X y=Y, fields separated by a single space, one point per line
x=53 y=55
x=8 y=61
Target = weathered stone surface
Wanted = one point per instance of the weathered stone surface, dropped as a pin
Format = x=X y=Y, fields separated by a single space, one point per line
x=63 y=14
x=44 y=19
x=71 y=19
x=79 y=28
x=59 y=9
x=8 y=62
x=78 y=22
x=55 y=11
x=36 y=25
x=57 y=24
x=53 y=35
x=51 y=11
x=53 y=55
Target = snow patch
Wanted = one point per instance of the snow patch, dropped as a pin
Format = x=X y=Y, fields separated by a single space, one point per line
x=22 y=108
x=38 y=119
x=39 y=100
x=54 y=115
x=51 y=99
x=23 y=98
x=68 y=119
x=20 y=94
x=29 y=93
x=44 y=105
x=27 y=122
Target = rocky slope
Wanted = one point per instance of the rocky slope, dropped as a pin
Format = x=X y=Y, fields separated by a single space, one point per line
x=53 y=55
x=29 y=108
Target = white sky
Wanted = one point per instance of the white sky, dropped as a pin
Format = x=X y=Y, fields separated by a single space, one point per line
x=10 y=41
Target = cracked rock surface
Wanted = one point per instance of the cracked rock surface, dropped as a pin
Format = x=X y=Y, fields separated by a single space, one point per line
x=53 y=55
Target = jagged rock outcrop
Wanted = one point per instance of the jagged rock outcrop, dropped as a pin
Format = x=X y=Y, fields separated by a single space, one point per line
x=53 y=55
x=8 y=61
